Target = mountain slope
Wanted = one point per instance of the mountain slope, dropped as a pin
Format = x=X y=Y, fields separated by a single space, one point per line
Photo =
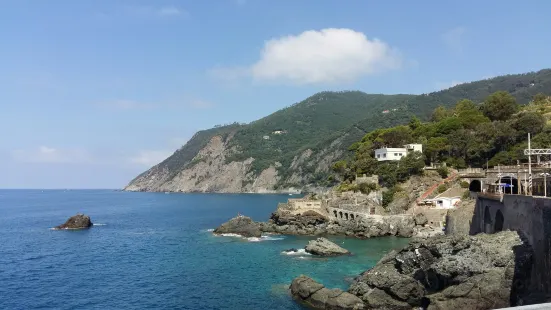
x=295 y=147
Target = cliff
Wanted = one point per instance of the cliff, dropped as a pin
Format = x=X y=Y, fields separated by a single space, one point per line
x=294 y=148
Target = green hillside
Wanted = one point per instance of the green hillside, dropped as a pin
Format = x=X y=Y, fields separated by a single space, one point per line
x=329 y=122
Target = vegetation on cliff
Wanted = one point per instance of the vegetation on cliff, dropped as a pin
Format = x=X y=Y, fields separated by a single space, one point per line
x=321 y=128
x=468 y=134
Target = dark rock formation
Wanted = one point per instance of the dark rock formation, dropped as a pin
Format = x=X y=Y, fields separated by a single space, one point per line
x=324 y=247
x=458 y=220
x=313 y=223
x=79 y=221
x=420 y=219
x=241 y=225
x=449 y=272
x=315 y=295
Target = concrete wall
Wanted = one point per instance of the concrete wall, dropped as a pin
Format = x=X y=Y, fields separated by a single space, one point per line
x=299 y=206
x=529 y=216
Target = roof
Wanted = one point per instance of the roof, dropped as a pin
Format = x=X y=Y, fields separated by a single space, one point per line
x=391 y=149
x=451 y=193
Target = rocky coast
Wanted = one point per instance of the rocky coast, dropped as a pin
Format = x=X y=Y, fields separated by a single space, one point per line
x=444 y=272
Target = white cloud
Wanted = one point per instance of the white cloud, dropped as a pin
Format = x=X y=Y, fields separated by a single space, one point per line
x=144 y=11
x=325 y=56
x=169 y=11
x=150 y=157
x=45 y=154
x=453 y=39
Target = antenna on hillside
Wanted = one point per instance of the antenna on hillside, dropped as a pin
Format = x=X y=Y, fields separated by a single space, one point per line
x=529 y=167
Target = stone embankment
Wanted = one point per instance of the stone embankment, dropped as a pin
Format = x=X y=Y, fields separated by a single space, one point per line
x=444 y=272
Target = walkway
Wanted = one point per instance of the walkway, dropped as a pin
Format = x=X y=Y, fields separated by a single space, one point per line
x=431 y=189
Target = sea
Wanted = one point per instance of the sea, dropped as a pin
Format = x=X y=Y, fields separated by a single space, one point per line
x=157 y=251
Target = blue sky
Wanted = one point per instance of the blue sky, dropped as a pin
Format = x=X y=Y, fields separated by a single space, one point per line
x=94 y=92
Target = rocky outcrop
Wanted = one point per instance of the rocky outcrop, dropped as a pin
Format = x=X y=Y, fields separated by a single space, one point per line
x=211 y=169
x=79 y=221
x=324 y=247
x=313 y=223
x=449 y=272
x=458 y=220
x=241 y=225
x=420 y=219
x=315 y=295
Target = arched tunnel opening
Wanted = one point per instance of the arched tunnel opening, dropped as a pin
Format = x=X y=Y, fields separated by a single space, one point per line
x=475 y=186
x=487 y=220
x=510 y=185
x=498 y=226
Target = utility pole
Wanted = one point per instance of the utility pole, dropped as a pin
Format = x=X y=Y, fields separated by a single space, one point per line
x=545 y=174
x=529 y=167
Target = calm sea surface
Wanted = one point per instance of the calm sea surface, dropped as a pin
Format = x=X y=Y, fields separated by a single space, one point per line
x=155 y=251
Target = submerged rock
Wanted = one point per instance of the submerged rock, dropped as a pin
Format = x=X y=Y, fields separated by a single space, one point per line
x=449 y=272
x=241 y=225
x=317 y=296
x=79 y=221
x=324 y=247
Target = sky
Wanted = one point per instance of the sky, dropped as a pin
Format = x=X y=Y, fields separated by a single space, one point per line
x=94 y=92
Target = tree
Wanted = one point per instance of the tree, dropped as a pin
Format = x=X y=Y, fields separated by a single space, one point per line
x=528 y=122
x=439 y=114
x=539 y=98
x=339 y=167
x=411 y=164
x=499 y=106
x=435 y=145
x=397 y=136
x=465 y=105
x=414 y=123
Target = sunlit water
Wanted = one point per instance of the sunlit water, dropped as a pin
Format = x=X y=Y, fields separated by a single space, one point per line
x=156 y=251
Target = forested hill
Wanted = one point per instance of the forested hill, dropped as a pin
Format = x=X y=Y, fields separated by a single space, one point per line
x=295 y=146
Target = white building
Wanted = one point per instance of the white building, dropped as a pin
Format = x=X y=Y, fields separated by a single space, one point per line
x=448 y=199
x=389 y=153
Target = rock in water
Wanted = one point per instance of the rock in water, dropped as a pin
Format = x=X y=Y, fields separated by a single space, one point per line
x=315 y=295
x=241 y=225
x=324 y=247
x=449 y=272
x=79 y=221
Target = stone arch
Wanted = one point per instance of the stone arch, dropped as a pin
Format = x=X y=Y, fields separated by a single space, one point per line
x=351 y=216
x=340 y=213
x=498 y=225
x=511 y=181
x=335 y=212
x=475 y=186
x=487 y=220
x=346 y=216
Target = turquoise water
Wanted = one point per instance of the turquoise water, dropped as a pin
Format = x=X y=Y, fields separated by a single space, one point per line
x=155 y=251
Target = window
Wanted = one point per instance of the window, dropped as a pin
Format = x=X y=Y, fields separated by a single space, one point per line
x=378 y=155
x=395 y=154
x=400 y=154
x=384 y=155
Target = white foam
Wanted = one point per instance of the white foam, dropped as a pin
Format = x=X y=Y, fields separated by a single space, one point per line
x=210 y=229
x=253 y=239
x=231 y=235
x=300 y=252
x=98 y=224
